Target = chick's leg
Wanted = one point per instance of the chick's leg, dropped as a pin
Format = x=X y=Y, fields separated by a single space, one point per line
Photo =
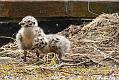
x=25 y=54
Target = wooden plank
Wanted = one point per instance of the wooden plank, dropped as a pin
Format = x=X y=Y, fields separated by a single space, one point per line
x=57 y=0
x=37 y=9
x=49 y=9
x=92 y=9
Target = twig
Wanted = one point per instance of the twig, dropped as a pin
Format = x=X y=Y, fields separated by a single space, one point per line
x=78 y=64
x=53 y=70
x=104 y=54
x=69 y=72
x=8 y=37
x=101 y=52
x=5 y=51
x=88 y=41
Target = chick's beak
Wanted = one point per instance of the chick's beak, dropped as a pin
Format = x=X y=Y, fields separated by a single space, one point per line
x=21 y=23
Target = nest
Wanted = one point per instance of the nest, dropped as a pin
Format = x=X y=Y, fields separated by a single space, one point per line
x=93 y=44
x=97 y=41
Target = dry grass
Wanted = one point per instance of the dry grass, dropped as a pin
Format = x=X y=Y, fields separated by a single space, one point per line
x=34 y=72
x=94 y=55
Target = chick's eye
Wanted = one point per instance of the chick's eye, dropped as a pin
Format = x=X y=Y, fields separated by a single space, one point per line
x=28 y=20
x=41 y=39
x=33 y=22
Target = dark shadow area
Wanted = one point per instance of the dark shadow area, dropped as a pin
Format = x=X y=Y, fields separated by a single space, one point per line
x=10 y=29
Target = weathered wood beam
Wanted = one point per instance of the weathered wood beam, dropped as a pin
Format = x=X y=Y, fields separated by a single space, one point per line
x=58 y=0
x=49 y=9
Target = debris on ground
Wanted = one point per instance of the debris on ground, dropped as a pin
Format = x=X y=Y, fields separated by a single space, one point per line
x=98 y=41
x=93 y=44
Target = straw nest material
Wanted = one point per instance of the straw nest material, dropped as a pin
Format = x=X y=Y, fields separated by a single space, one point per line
x=93 y=44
